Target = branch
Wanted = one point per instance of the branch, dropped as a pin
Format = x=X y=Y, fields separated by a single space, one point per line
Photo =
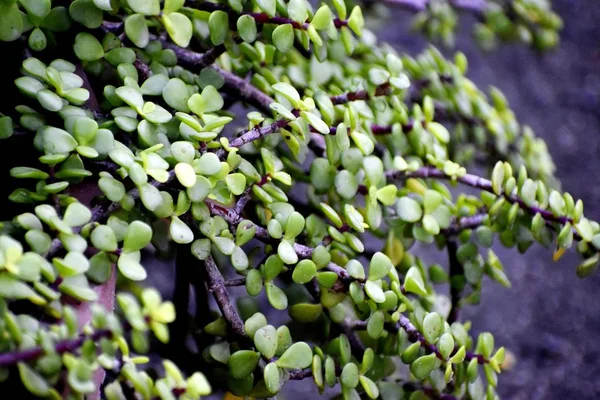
x=486 y=185
x=477 y=7
x=456 y=285
x=260 y=18
x=415 y=336
x=216 y=285
x=381 y=90
x=464 y=223
x=64 y=346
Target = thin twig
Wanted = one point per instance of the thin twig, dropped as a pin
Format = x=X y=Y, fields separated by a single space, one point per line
x=216 y=285
x=64 y=346
x=456 y=272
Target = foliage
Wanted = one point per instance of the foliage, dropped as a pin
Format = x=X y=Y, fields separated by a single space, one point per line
x=314 y=199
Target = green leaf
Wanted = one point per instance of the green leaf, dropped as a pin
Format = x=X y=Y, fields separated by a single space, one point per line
x=146 y=7
x=254 y=282
x=316 y=122
x=374 y=291
x=268 y=6
x=86 y=13
x=433 y=325
x=276 y=296
x=297 y=10
x=375 y=325
x=498 y=178
x=49 y=100
x=322 y=18
x=12 y=288
x=254 y=323
x=34 y=382
x=37 y=10
x=287 y=91
x=87 y=47
x=298 y=356
x=172 y=5
x=37 y=40
x=154 y=85
x=430 y=225
x=242 y=363
x=185 y=174
x=57 y=20
x=413 y=282
x=409 y=210
x=446 y=344
x=209 y=164
x=129 y=265
x=432 y=199
x=77 y=214
x=179 y=27
x=304 y=272
x=236 y=183
x=305 y=312
x=422 y=366
x=355 y=269
x=272 y=377
x=213 y=101
x=176 y=95
x=72 y=264
x=179 y=231
x=104 y=239
x=265 y=340
x=283 y=37
x=349 y=376
x=137 y=31
x=369 y=386
x=356 y=22
x=439 y=131
x=6 y=127
x=100 y=267
x=246 y=26
x=11 y=22
x=379 y=267
x=346 y=184
x=225 y=245
x=137 y=236
x=218 y=24
x=286 y=252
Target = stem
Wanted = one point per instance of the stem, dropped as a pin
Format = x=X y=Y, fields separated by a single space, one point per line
x=235 y=282
x=415 y=336
x=260 y=18
x=381 y=90
x=486 y=185
x=63 y=346
x=464 y=223
x=456 y=281
x=477 y=7
x=216 y=285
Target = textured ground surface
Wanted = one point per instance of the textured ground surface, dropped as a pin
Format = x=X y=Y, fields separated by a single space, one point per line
x=550 y=319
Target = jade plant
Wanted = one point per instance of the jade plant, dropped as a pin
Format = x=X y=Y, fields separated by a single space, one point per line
x=287 y=162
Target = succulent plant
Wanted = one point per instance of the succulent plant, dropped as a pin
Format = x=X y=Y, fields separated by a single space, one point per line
x=310 y=197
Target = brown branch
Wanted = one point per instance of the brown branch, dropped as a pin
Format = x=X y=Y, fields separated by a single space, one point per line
x=216 y=285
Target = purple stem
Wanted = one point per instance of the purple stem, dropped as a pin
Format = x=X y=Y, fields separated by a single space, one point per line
x=64 y=346
x=261 y=18
x=478 y=183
